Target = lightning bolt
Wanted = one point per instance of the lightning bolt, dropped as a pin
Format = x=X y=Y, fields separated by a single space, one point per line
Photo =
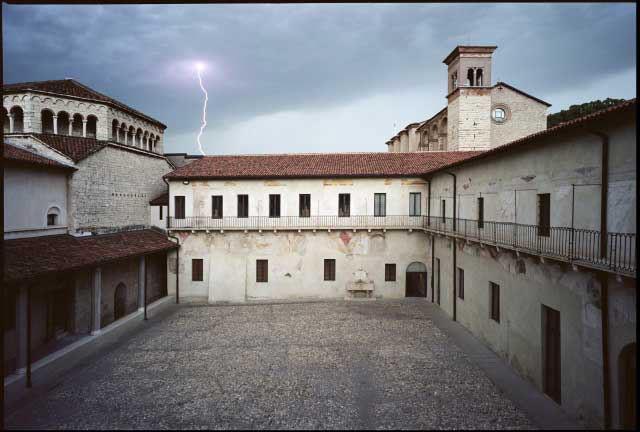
x=204 y=109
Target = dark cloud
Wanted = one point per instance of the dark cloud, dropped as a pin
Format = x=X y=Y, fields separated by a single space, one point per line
x=271 y=58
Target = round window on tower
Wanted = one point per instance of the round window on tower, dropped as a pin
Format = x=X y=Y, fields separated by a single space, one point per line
x=499 y=114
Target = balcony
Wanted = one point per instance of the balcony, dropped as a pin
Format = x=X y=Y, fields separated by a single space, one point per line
x=576 y=246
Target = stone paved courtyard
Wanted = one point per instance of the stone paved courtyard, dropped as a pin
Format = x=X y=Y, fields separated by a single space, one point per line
x=353 y=365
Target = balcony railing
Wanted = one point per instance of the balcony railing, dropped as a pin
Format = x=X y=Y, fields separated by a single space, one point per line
x=579 y=246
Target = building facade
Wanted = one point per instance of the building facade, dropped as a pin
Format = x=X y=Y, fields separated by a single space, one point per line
x=478 y=115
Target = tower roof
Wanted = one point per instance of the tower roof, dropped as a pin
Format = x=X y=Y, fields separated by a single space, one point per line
x=475 y=49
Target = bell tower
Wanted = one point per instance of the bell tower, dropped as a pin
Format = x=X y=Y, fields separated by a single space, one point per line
x=469 y=97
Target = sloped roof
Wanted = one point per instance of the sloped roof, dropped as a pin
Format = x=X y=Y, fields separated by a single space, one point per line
x=580 y=122
x=24 y=157
x=32 y=257
x=77 y=148
x=314 y=165
x=71 y=87
x=504 y=84
x=160 y=200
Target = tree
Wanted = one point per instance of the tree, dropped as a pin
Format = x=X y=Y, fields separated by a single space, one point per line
x=576 y=111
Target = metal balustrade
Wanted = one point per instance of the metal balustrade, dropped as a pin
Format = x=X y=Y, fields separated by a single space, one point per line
x=578 y=246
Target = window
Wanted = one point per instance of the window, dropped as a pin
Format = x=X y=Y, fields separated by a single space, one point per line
x=329 y=269
x=179 y=206
x=344 y=205
x=415 y=201
x=380 y=204
x=196 y=270
x=160 y=207
x=243 y=206
x=274 y=206
x=443 y=209
x=305 y=205
x=52 y=219
x=481 y=212
x=495 y=301
x=460 y=283
x=216 y=206
x=390 y=272
x=544 y=214
x=499 y=115
x=262 y=270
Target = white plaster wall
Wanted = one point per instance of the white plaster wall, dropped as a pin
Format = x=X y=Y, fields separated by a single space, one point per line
x=324 y=195
x=28 y=195
x=295 y=263
x=154 y=216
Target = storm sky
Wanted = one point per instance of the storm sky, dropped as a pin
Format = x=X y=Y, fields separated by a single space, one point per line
x=315 y=78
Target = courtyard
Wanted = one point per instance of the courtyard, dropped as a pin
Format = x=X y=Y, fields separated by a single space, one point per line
x=329 y=365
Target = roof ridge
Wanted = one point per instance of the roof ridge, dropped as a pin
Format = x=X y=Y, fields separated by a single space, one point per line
x=334 y=153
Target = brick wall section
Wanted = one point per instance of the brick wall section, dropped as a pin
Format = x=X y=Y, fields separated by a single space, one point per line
x=112 y=189
x=525 y=116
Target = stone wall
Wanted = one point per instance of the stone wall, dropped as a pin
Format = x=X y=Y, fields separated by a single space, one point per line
x=125 y=272
x=113 y=187
x=525 y=116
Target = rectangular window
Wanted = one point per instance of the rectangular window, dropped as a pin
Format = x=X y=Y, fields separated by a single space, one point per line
x=344 y=205
x=243 y=206
x=390 y=272
x=51 y=219
x=460 y=283
x=438 y=280
x=161 y=207
x=274 y=206
x=329 y=269
x=179 y=206
x=415 y=201
x=216 y=206
x=495 y=301
x=196 y=270
x=262 y=270
x=305 y=205
x=481 y=212
x=544 y=214
x=443 y=209
x=380 y=204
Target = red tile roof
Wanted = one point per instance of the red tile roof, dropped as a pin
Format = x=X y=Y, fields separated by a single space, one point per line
x=77 y=148
x=161 y=200
x=581 y=122
x=70 y=87
x=32 y=257
x=21 y=156
x=314 y=165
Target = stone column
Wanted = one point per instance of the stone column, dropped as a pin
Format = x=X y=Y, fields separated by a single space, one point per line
x=84 y=128
x=21 y=330
x=142 y=289
x=10 y=123
x=71 y=126
x=55 y=124
x=96 y=282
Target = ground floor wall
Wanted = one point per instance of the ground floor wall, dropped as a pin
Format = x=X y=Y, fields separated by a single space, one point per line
x=526 y=287
x=295 y=263
x=62 y=305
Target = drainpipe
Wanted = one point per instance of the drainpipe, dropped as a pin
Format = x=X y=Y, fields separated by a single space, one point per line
x=432 y=239
x=604 y=189
x=177 y=267
x=604 y=195
x=454 y=244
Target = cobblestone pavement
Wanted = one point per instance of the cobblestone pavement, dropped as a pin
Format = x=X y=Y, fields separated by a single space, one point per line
x=380 y=364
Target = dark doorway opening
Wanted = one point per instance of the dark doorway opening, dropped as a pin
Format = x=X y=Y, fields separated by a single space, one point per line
x=120 y=302
x=551 y=359
x=416 y=280
x=627 y=385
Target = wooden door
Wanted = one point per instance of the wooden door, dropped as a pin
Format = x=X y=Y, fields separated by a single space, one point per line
x=551 y=358
x=627 y=383
x=416 y=284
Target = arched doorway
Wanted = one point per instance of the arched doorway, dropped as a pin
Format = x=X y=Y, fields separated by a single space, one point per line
x=627 y=385
x=416 y=280
x=120 y=302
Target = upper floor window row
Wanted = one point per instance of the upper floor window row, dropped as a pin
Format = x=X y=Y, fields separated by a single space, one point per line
x=304 y=205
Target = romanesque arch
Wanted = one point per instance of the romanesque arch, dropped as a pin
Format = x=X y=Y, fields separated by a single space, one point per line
x=17 y=115
x=63 y=123
x=76 y=126
x=5 y=120
x=92 y=126
x=46 y=118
